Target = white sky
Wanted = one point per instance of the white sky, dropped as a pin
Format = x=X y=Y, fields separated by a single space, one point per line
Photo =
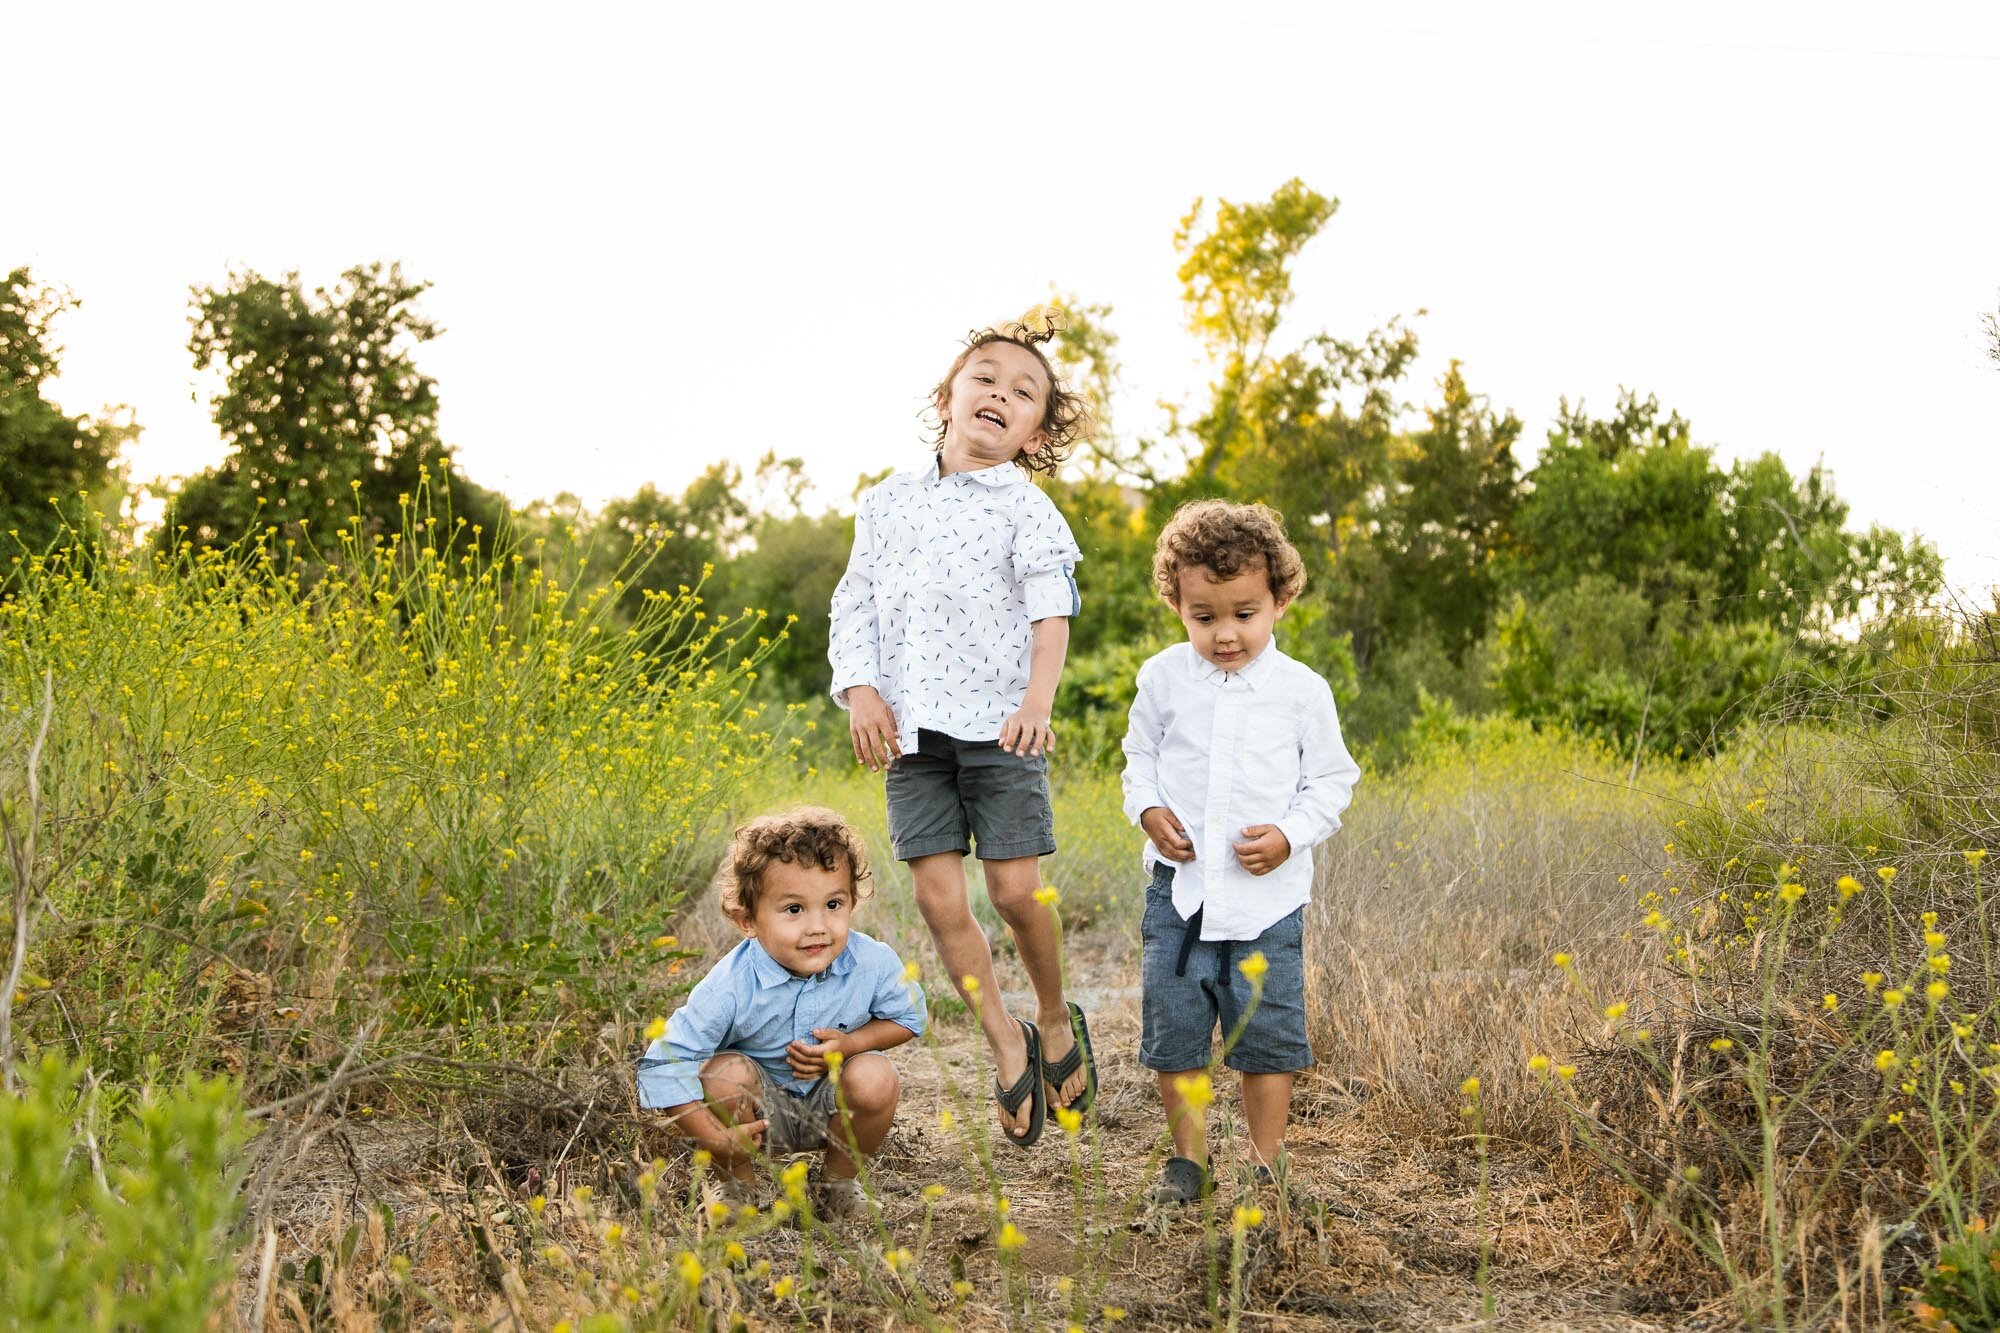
x=661 y=234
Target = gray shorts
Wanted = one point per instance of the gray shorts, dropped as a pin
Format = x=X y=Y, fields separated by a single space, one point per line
x=797 y=1120
x=1188 y=987
x=948 y=794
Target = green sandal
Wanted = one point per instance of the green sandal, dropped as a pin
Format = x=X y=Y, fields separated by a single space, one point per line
x=1027 y=1088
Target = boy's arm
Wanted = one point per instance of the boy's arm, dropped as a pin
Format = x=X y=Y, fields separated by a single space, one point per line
x=670 y=1074
x=1028 y=732
x=852 y=645
x=1327 y=774
x=1145 y=730
x=728 y=1144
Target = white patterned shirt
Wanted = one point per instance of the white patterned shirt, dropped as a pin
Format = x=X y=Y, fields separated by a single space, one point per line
x=946 y=579
x=1224 y=750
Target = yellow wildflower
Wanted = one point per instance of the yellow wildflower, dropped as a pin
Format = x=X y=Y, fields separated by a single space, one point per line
x=1047 y=897
x=1011 y=1238
x=1538 y=1064
x=1563 y=960
x=1887 y=874
x=1195 y=1090
x=656 y=1029
x=690 y=1269
x=1893 y=997
x=1616 y=1011
x=1469 y=1088
x=1886 y=1061
x=1848 y=886
x=1974 y=856
x=1254 y=967
x=784 y=1287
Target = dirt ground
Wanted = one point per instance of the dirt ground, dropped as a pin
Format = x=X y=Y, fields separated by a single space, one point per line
x=1380 y=1228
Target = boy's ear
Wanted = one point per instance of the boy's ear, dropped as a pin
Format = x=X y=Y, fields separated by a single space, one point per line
x=745 y=923
x=1283 y=602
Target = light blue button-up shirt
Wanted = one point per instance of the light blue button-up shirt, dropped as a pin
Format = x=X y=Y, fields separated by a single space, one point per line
x=749 y=1003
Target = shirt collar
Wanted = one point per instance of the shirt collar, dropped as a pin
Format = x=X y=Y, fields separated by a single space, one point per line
x=1000 y=474
x=770 y=972
x=1254 y=674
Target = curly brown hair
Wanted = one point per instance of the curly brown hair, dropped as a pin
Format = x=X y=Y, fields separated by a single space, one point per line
x=1066 y=416
x=1227 y=539
x=810 y=836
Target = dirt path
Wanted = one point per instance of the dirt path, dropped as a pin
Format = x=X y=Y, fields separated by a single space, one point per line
x=1377 y=1232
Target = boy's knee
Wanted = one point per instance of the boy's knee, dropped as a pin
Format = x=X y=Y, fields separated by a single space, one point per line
x=868 y=1082
x=941 y=902
x=730 y=1082
x=1013 y=897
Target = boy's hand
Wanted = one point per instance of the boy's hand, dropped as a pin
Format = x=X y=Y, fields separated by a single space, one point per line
x=1167 y=833
x=1266 y=849
x=872 y=727
x=808 y=1059
x=1028 y=733
x=739 y=1143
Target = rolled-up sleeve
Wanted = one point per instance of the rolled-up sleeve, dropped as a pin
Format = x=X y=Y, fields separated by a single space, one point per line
x=899 y=998
x=670 y=1070
x=853 y=640
x=1144 y=731
x=1045 y=559
x=1327 y=774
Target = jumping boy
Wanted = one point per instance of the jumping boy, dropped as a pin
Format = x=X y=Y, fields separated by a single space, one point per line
x=748 y=1063
x=1235 y=769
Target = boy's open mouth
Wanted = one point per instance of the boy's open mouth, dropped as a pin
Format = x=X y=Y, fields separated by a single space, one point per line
x=988 y=414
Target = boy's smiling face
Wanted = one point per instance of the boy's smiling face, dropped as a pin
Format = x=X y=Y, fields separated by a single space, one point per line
x=994 y=414
x=1228 y=620
x=802 y=915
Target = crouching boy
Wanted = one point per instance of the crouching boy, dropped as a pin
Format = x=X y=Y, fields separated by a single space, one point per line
x=748 y=1064
x=1235 y=769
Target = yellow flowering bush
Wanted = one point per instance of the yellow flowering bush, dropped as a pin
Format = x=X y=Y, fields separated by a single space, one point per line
x=429 y=780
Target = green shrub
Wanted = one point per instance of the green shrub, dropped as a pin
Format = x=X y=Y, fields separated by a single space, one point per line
x=139 y=1239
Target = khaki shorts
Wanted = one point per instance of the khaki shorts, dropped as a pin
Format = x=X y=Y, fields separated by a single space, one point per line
x=796 y=1118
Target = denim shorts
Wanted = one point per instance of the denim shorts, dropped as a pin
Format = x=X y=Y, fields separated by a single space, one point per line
x=1181 y=1007
x=947 y=794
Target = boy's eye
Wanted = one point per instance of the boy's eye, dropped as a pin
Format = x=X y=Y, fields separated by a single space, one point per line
x=834 y=904
x=792 y=909
x=1025 y=394
x=984 y=379
x=1202 y=618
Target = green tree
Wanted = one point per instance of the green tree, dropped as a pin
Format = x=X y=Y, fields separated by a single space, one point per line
x=322 y=407
x=45 y=453
x=692 y=533
x=1656 y=594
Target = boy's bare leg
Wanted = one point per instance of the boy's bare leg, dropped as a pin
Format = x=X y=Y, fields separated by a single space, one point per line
x=1267 y=1105
x=729 y=1084
x=961 y=944
x=1012 y=885
x=869 y=1087
x=1188 y=1125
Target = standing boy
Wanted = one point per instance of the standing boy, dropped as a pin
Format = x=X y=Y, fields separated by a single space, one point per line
x=1235 y=769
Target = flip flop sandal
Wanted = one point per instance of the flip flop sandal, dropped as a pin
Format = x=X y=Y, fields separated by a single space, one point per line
x=1058 y=1072
x=1027 y=1088
x=1182 y=1182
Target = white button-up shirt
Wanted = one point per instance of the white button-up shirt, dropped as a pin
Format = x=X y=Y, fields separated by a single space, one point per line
x=1225 y=750
x=946 y=579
